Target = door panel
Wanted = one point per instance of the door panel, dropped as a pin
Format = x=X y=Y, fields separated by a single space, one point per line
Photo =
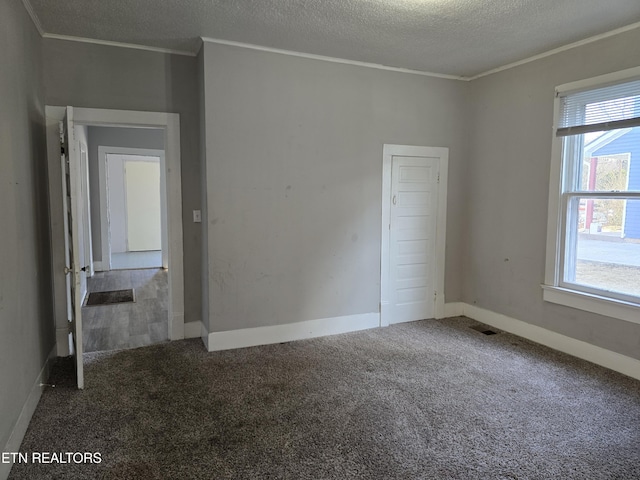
x=414 y=184
x=71 y=188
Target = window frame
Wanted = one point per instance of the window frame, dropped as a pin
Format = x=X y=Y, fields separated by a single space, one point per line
x=563 y=187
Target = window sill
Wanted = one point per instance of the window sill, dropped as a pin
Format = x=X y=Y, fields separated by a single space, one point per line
x=627 y=311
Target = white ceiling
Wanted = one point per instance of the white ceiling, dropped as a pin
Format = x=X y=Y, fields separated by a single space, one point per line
x=454 y=37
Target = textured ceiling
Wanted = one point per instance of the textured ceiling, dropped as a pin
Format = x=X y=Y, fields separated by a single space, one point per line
x=455 y=37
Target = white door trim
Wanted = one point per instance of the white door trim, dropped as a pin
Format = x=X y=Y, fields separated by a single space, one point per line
x=170 y=123
x=103 y=151
x=442 y=154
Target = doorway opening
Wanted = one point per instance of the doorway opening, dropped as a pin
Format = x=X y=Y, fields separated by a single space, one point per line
x=159 y=289
x=131 y=208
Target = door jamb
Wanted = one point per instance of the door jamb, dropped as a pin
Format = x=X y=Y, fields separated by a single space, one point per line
x=442 y=154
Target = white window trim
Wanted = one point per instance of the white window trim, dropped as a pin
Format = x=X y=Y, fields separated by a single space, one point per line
x=552 y=290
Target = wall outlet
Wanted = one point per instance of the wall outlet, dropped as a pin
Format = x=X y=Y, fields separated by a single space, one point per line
x=197 y=216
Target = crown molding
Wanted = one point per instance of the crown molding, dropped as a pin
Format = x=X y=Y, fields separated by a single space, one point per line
x=34 y=18
x=508 y=66
x=109 y=43
x=323 y=58
x=561 y=49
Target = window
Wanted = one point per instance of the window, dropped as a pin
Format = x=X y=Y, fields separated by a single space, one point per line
x=593 y=247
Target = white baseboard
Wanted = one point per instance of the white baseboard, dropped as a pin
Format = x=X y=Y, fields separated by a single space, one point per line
x=330 y=326
x=97 y=267
x=20 y=428
x=192 y=329
x=598 y=355
x=250 y=337
x=453 y=309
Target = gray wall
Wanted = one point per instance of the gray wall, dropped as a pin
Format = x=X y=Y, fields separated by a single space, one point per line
x=26 y=315
x=99 y=76
x=294 y=175
x=509 y=162
x=148 y=138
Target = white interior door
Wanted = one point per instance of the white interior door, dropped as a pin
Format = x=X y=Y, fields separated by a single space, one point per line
x=412 y=238
x=71 y=188
x=143 y=212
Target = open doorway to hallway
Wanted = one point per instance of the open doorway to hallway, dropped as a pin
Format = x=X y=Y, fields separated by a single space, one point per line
x=128 y=219
x=70 y=263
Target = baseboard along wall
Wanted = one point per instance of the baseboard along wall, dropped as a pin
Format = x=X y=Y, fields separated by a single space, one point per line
x=251 y=337
x=577 y=348
x=29 y=407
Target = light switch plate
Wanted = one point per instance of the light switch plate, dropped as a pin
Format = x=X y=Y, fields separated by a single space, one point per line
x=197 y=216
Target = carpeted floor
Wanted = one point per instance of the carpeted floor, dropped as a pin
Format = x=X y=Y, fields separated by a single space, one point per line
x=425 y=400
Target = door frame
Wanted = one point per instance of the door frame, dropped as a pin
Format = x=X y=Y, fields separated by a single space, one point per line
x=170 y=123
x=442 y=155
x=105 y=236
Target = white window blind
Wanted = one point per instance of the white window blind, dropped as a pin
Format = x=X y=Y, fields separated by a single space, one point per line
x=601 y=109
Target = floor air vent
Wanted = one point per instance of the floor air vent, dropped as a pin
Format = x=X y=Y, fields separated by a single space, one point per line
x=110 y=297
x=483 y=329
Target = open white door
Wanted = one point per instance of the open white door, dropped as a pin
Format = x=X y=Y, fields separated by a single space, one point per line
x=71 y=188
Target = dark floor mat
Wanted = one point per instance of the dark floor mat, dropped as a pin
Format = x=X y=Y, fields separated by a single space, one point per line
x=109 y=298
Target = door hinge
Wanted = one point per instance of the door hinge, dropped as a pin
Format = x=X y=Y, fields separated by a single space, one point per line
x=438 y=177
x=70 y=324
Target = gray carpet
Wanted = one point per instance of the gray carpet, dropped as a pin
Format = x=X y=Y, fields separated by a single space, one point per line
x=426 y=400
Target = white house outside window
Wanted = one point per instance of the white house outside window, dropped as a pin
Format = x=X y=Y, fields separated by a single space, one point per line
x=593 y=250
